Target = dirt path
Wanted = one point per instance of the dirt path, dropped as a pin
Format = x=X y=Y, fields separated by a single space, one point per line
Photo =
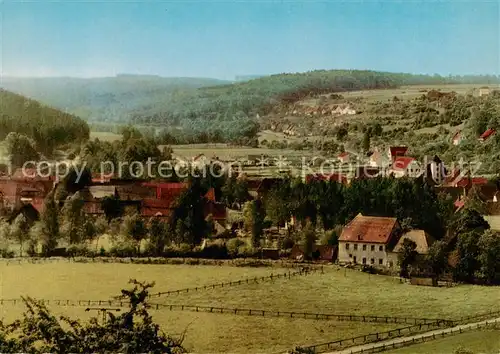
x=417 y=338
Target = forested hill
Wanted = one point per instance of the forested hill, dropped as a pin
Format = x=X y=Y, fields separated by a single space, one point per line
x=109 y=98
x=210 y=105
x=47 y=126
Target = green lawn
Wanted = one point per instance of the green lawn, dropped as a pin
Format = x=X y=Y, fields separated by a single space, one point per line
x=484 y=341
x=100 y=281
x=343 y=291
x=105 y=136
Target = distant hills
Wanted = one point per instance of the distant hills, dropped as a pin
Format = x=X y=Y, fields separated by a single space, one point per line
x=109 y=98
x=222 y=109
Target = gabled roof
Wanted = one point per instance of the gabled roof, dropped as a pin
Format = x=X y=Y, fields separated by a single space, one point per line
x=457 y=135
x=371 y=229
x=397 y=151
x=420 y=237
x=402 y=162
x=487 y=134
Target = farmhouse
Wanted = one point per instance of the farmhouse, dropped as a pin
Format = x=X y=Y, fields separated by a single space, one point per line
x=344 y=157
x=457 y=138
x=484 y=91
x=396 y=151
x=367 y=240
x=421 y=239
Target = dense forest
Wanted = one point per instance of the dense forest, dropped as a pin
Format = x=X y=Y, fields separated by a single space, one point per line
x=47 y=127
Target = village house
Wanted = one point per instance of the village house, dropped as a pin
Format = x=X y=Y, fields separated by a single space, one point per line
x=487 y=134
x=423 y=242
x=396 y=151
x=344 y=157
x=367 y=240
x=484 y=91
x=377 y=159
x=405 y=166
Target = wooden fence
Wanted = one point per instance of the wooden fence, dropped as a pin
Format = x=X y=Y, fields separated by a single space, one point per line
x=303 y=315
x=243 y=312
x=289 y=274
x=478 y=317
x=375 y=337
x=402 y=342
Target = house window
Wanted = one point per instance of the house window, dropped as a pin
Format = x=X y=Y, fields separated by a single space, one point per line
x=372 y=261
x=346 y=246
x=364 y=260
x=381 y=248
x=380 y=261
x=354 y=259
x=373 y=248
x=391 y=264
x=364 y=247
x=355 y=247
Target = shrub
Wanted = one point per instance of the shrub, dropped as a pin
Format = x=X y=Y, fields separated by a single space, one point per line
x=123 y=250
x=233 y=245
x=5 y=253
x=79 y=250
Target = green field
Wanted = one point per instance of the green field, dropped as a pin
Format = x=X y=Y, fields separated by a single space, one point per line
x=343 y=291
x=484 y=341
x=335 y=291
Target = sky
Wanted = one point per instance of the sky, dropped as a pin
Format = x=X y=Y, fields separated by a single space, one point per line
x=222 y=39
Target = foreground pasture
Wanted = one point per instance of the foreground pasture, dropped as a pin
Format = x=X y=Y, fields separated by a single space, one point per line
x=336 y=291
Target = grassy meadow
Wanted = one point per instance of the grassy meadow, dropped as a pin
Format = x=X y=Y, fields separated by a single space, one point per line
x=336 y=291
x=342 y=291
x=485 y=341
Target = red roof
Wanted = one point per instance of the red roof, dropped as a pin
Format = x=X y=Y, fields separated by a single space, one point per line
x=402 y=162
x=344 y=154
x=464 y=182
x=487 y=134
x=371 y=229
x=156 y=207
x=38 y=204
x=167 y=190
x=210 y=195
x=398 y=151
x=459 y=204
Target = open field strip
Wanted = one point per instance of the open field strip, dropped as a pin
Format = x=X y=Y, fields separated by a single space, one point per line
x=342 y=291
x=101 y=281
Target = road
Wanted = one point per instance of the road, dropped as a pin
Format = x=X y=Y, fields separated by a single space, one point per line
x=418 y=338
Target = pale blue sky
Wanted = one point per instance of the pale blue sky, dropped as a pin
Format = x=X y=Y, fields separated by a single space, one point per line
x=226 y=38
